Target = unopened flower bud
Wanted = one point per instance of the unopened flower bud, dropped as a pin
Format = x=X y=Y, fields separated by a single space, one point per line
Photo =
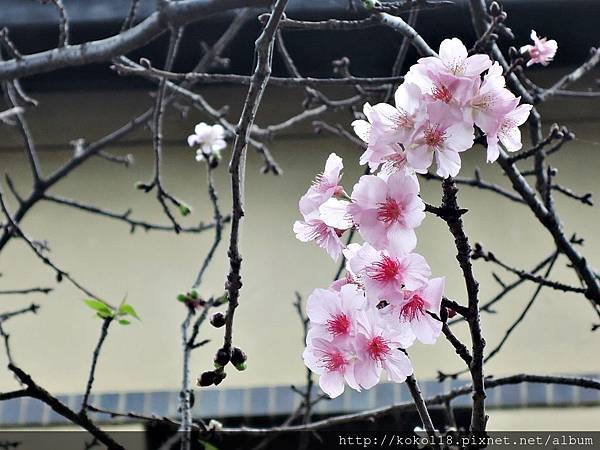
x=207 y=378
x=222 y=357
x=184 y=210
x=238 y=358
x=219 y=376
x=218 y=320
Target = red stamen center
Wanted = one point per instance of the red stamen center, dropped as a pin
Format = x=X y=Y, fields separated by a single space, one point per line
x=322 y=184
x=434 y=137
x=335 y=361
x=413 y=308
x=385 y=270
x=339 y=325
x=378 y=348
x=390 y=211
x=442 y=93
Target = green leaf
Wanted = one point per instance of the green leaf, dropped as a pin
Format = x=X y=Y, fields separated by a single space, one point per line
x=101 y=308
x=124 y=322
x=127 y=310
x=105 y=314
x=181 y=298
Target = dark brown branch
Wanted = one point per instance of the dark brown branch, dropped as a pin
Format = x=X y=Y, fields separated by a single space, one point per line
x=478 y=182
x=63 y=38
x=125 y=217
x=26 y=291
x=33 y=308
x=262 y=72
x=455 y=225
x=506 y=289
x=218 y=221
x=399 y=25
x=157 y=135
x=460 y=348
x=90 y=382
x=586 y=198
x=421 y=407
x=519 y=319
x=13 y=228
x=490 y=257
x=397 y=8
x=570 y=78
x=33 y=390
x=293 y=82
x=24 y=131
x=373 y=414
x=330 y=24
x=201 y=104
x=128 y=22
x=175 y=14
x=557 y=133
x=369 y=415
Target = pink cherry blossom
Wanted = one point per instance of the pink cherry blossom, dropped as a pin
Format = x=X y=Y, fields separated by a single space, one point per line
x=542 y=51
x=333 y=361
x=413 y=308
x=507 y=132
x=491 y=103
x=325 y=186
x=376 y=134
x=334 y=212
x=385 y=273
x=378 y=349
x=449 y=77
x=347 y=279
x=312 y=228
x=455 y=60
x=444 y=134
x=387 y=209
x=333 y=314
x=441 y=86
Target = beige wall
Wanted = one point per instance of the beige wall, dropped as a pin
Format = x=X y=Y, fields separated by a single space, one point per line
x=152 y=268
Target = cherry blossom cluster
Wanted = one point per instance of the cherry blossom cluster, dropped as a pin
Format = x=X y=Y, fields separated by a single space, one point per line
x=361 y=325
x=436 y=108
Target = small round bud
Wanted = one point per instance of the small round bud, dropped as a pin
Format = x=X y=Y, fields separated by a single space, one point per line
x=238 y=356
x=207 y=378
x=222 y=357
x=184 y=210
x=241 y=367
x=219 y=376
x=218 y=320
